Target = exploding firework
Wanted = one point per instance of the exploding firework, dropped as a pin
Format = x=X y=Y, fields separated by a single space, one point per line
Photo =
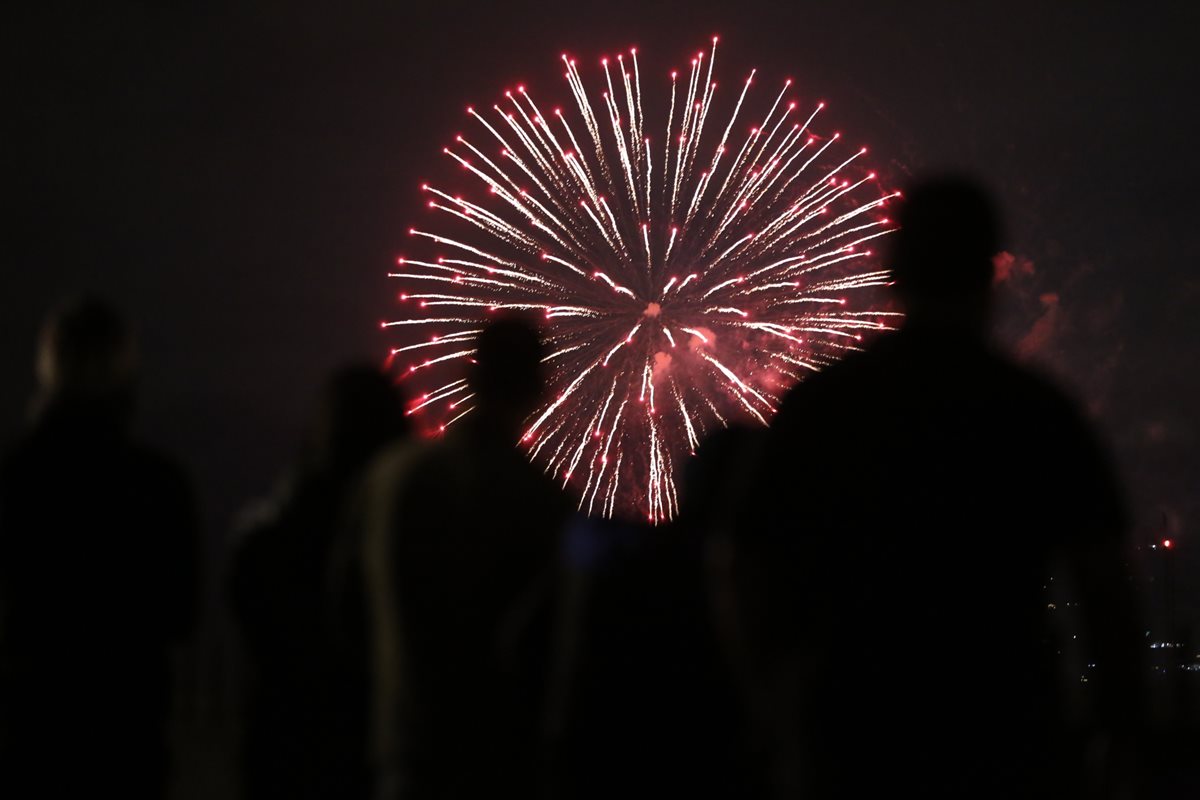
x=685 y=281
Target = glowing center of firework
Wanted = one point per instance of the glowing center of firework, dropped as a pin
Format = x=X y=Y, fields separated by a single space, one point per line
x=751 y=251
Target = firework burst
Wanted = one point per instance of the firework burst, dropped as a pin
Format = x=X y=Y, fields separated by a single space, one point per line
x=686 y=281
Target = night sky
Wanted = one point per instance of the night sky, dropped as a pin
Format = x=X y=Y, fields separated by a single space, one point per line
x=239 y=182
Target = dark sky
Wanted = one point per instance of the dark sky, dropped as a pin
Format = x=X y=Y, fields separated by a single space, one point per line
x=240 y=180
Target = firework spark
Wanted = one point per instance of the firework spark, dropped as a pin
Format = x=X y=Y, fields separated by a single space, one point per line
x=685 y=282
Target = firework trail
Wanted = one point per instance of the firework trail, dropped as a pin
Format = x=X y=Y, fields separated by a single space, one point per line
x=685 y=281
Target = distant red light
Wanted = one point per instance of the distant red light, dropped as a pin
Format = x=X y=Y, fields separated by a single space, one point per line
x=1167 y=543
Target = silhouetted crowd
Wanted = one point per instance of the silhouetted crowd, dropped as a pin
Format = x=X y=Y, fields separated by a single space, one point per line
x=854 y=602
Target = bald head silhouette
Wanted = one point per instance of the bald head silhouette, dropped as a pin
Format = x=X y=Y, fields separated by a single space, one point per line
x=942 y=254
x=507 y=375
x=86 y=360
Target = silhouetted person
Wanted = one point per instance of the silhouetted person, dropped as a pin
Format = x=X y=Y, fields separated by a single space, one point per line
x=650 y=711
x=918 y=505
x=462 y=550
x=97 y=582
x=303 y=624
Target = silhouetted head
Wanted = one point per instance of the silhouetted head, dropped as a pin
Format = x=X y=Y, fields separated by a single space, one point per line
x=507 y=374
x=87 y=356
x=942 y=254
x=361 y=412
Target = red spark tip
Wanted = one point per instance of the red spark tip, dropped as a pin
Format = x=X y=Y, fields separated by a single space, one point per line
x=558 y=111
x=508 y=94
x=788 y=82
x=674 y=74
x=604 y=62
x=403 y=297
x=521 y=88
x=432 y=204
x=442 y=428
x=446 y=150
x=633 y=50
x=821 y=104
x=870 y=175
x=791 y=105
x=837 y=135
x=862 y=151
x=411 y=231
x=399 y=260
x=714 y=40
x=412 y=368
x=470 y=109
x=384 y=325
x=1167 y=543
